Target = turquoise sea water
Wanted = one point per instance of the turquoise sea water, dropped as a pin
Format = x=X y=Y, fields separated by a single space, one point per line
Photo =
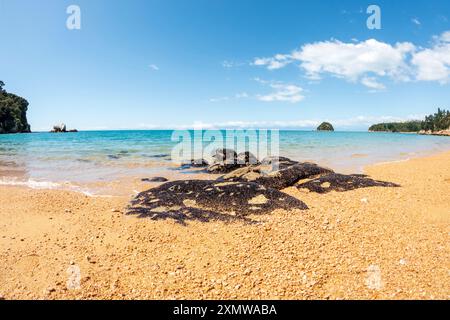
x=45 y=159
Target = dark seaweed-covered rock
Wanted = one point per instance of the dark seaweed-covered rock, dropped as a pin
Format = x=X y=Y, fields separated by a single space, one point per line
x=278 y=162
x=225 y=154
x=341 y=182
x=286 y=176
x=160 y=155
x=198 y=163
x=154 y=179
x=246 y=158
x=222 y=167
x=227 y=160
x=194 y=163
x=206 y=200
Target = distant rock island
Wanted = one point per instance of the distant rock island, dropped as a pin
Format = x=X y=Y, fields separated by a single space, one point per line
x=13 y=112
x=325 y=126
x=434 y=124
x=62 y=129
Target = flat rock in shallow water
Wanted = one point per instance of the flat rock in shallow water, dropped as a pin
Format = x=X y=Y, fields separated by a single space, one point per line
x=290 y=172
x=155 y=179
x=342 y=182
x=210 y=200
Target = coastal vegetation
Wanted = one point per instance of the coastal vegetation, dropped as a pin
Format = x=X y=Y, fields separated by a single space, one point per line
x=438 y=121
x=325 y=126
x=13 y=112
x=434 y=123
x=407 y=126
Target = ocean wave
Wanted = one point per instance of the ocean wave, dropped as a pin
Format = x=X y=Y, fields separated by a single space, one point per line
x=50 y=185
x=33 y=184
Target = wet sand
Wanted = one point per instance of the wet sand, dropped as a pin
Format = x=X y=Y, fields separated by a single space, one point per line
x=370 y=243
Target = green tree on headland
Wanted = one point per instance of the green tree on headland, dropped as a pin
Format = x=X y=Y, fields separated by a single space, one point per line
x=438 y=121
x=13 y=112
x=325 y=126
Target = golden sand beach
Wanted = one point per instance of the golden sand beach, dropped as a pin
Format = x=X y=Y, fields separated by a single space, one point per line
x=369 y=243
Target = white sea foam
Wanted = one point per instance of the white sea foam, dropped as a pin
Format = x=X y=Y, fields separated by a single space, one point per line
x=30 y=183
x=49 y=185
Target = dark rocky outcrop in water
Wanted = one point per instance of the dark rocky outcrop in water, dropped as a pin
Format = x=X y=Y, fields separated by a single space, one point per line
x=155 y=179
x=206 y=200
x=341 y=182
x=13 y=113
x=62 y=129
x=195 y=163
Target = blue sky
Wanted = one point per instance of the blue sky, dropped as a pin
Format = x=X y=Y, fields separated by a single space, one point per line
x=171 y=64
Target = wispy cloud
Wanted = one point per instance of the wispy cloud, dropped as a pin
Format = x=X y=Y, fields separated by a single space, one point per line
x=153 y=67
x=277 y=62
x=284 y=93
x=416 y=21
x=231 y=64
x=219 y=99
x=281 y=92
x=237 y=96
x=372 y=83
x=362 y=122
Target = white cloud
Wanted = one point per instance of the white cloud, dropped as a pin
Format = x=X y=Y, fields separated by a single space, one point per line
x=445 y=37
x=433 y=64
x=355 y=62
x=153 y=67
x=241 y=95
x=277 y=62
x=372 y=83
x=369 y=62
x=281 y=92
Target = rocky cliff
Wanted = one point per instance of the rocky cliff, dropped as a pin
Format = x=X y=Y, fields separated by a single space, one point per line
x=13 y=112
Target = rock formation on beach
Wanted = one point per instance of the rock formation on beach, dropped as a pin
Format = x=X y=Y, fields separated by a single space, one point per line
x=155 y=179
x=227 y=160
x=13 y=113
x=325 y=126
x=435 y=133
x=283 y=177
x=246 y=188
x=341 y=182
x=205 y=200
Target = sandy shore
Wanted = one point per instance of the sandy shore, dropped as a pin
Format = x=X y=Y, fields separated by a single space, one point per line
x=371 y=243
